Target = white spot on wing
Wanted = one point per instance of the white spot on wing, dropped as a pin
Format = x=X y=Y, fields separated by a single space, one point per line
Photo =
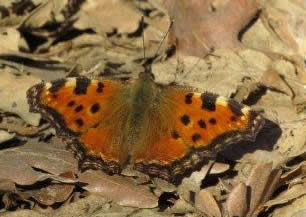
x=70 y=82
x=246 y=110
x=222 y=101
x=48 y=85
x=196 y=95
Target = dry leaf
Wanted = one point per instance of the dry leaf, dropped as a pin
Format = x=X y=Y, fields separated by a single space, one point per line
x=262 y=182
x=43 y=14
x=182 y=206
x=14 y=124
x=16 y=164
x=7 y=185
x=5 y=136
x=119 y=189
x=53 y=193
x=97 y=41
x=9 y=39
x=274 y=80
x=17 y=103
x=193 y=183
x=105 y=16
x=200 y=26
x=205 y=202
x=93 y=205
x=292 y=193
x=237 y=201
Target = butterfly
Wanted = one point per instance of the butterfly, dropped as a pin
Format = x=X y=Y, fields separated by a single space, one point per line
x=163 y=131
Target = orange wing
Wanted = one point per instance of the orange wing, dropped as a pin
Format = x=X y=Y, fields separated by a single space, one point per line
x=76 y=107
x=198 y=125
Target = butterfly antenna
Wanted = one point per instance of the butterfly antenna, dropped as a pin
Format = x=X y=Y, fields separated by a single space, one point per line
x=143 y=40
x=210 y=53
x=163 y=39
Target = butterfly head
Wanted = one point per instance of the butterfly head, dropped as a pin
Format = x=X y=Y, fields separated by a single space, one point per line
x=147 y=73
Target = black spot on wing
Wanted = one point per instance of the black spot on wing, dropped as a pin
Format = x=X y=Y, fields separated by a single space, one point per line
x=79 y=122
x=56 y=85
x=209 y=101
x=235 y=107
x=175 y=135
x=82 y=84
x=95 y=108
x=195 y=137
x=71 y=103
x=78 y=108
x=213 y=121
x=100 y=87
x=202 y=123
x=188 y=98
x=185 y=120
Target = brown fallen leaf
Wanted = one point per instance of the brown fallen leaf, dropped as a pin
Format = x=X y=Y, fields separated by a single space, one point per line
x=295 y=172
x=181 y=206
x=5 y=136
x=257 y=182
x=16 y=103
x=9 y=39
x=15 y=125
x=200 y=26
x=7 y=185
x=272 y=79
x=248 y=199
x=237 y=202
x=106 y=16
x=43 y=14
x=53 y=193
x=17 y=164
x=205 y=202
x=290 y=195
x=120 y=189
x=293 y=140
x=285 y=20
x=193 y=183
x=262 y=182
x=92 y=205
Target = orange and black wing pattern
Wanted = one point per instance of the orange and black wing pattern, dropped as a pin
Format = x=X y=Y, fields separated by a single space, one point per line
x=198 y=125
x=76 y=107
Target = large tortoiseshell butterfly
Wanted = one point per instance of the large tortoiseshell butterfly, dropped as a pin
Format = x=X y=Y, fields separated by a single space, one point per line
x=164 y=131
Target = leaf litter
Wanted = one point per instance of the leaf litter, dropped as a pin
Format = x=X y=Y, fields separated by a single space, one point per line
x=254 y=50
